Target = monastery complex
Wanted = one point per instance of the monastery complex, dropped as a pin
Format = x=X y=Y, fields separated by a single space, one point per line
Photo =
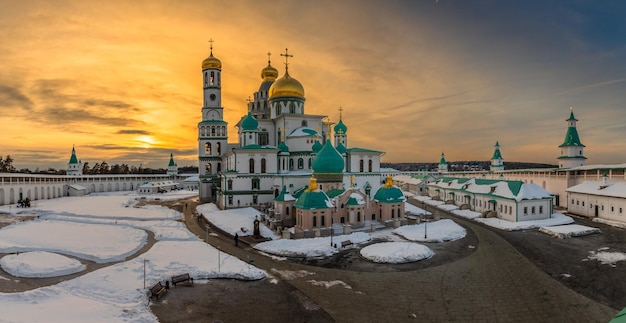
x=301 y=171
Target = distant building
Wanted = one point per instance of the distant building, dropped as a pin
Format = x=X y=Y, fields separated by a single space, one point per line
x=571 y=148
x=74 y=166
x=172 y=167
x=497 y=163
x=443 y=165
x=508 y=200
x=599 y=199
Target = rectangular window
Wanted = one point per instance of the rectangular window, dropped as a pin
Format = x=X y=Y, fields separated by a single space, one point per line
x=533 y=210
x=620 y=210
x=525 y=210
x=577 y=202
x=540 y=209
x=572 y=201
x=612 y=209
x=583 y=203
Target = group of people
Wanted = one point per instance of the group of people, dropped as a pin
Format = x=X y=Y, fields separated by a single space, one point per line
x=23 y=202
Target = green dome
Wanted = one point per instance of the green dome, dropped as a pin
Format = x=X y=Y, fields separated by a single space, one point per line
x=316 y=146
x=249 y=123
x=340 y=128
x=341 y=148
x=328 y=160
x=283 y=147
x=313 y=198
x=388 y=193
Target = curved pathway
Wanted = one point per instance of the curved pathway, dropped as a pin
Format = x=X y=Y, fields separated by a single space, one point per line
x=496 y=284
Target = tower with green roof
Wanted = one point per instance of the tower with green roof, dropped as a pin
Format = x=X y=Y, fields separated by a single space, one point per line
x=572 y=150
x=497 y=163
x=443 y=165
x=249 y=128
x=172 y=167
x=341 y=137
x=74 y=166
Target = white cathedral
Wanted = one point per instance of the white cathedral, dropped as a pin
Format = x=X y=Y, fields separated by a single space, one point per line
x=279 y=145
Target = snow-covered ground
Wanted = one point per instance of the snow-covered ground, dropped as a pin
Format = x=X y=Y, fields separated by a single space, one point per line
x=568 y=230
x=240 y=221
x=607 y=257
x=436 y=231
x=104 y=228
x=555 y=219
x=396 y=252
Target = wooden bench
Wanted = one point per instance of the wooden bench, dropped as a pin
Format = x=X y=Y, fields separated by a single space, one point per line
x=157 y=290
x=346 y=243
x=182 y=278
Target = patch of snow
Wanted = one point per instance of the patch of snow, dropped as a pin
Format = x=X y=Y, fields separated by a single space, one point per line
x=290 y=274
x=468 y=214
x=396 y=252
x=312 y=247
x=234 y=220
x=606 y=257
x=329 y=284
x=569 y=230
x=40 y=264
x=447 y=207
x=437 y=231
x=555 y=219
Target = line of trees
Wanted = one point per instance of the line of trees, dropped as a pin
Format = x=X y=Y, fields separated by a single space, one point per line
x=6 y=164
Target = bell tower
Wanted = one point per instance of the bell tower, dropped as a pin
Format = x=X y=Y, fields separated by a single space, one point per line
x=571 y=149
x=212 y=130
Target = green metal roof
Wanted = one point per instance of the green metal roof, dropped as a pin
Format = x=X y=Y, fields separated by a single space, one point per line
x=73 y=159
x=389 y=195
x=171 y=161
x=442 y=160
x=282 y=195
x=312 y=200
x=299 y=191
x=362 y=150
x=335 y=192
x=328 y=160
x=283 y=147
x=341 y=148
x=249 y=123
x=352 y=201
x=514 y=186
x=571 y=138
x=340 y=128
x=316 y=146
x=212 y=122
x=496 y=153
x=571 y=157
x=258 y=147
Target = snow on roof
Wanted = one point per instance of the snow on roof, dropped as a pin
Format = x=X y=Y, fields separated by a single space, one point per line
x=591 y=167
x=77 y=187
x=159 y=184
x=516 y=190
x=193 y=178
x=407 y=179
x=358 y=198
x=617 y=189
x=303 y=132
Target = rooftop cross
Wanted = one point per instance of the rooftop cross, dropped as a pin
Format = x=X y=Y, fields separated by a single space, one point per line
x=211 y=46
x=340 y=111
x=286 y=55
x=269 y=56
x=329 y=124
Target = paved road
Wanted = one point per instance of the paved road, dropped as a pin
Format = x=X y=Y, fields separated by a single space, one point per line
x=494 y=284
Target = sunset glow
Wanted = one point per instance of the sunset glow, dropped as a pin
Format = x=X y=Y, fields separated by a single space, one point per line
x=122 y=80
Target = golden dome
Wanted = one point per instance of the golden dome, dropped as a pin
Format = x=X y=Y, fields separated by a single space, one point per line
x=286 y=86
x=211 y=62
x=269 y=73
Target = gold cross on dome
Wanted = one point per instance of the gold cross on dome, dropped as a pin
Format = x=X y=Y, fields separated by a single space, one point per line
x=211 y=42
x=269 y=56
x=286 y=55
x=340 y=111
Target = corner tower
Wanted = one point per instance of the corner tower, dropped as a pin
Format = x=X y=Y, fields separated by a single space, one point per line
x=212 y=130
x=74 y=166
x=572 y=150
x=497 y=163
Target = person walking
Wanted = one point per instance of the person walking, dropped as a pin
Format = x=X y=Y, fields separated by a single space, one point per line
x=236 y=240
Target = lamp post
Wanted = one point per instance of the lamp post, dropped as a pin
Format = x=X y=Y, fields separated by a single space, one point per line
x=425 y=222
x=144 y=273
x=331 y=230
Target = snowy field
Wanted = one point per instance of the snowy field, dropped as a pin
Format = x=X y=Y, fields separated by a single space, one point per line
x=436 y=231
x=105 y=228
x=234 y=220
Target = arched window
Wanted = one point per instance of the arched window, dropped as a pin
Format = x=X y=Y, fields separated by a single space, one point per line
x=230 y=184
x=305 y=123
x=361 y=165
x=219 y=148
x=251 y=162
x=309 y=163
x=212 y=80
x=263 y=169
x=369 y=165
x=207 y=148
x=213 y=131
x=290 y=164
x=300 y=163
x=219 y=167
x=392 y=213
x=358 y=216
x=315 y=221
x=287 y=211
x=323 y=220
x=207 y=167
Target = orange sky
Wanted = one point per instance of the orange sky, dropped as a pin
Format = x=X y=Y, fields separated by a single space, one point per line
x=121 y=80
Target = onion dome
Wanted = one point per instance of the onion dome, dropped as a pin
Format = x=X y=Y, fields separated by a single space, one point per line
x=341 y=148
x=269 y=73
x=388 y=193
x=286 y=86
x=313 y=198
x=283 y=147
x=249 y=123
x=316 y=146
x=328 y=160
x=211 y=62
x=340 y=128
